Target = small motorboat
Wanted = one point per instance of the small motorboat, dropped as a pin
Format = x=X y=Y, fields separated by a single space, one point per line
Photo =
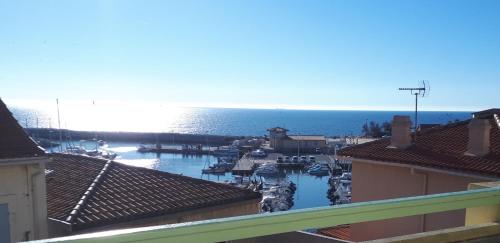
x=259 y=153
x=319 y=170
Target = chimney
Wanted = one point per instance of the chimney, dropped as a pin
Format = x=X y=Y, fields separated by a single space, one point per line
x=479 y=137
x=400 y=133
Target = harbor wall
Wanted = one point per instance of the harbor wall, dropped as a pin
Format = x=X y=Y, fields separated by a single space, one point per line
x=140 y=137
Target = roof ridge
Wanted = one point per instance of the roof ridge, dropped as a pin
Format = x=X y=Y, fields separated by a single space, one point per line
x=117 y=163
x=88 y=193
x=179 y=175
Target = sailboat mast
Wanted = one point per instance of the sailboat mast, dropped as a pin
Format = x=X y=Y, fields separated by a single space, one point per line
x=59 y=124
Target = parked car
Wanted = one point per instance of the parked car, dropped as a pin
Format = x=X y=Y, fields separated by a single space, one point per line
x=279 y=159
x=312 y=159
x=287 y=159
x=295 y=159
x=303 y=159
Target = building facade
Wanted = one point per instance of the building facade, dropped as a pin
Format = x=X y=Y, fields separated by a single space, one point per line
x=23 y=208
x=280 y=141
x=437 y=160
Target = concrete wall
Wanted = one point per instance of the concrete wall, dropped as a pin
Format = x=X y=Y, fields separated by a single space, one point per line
x=222 y=211
x=289 y=145
x=376 y=181
x=22 y=187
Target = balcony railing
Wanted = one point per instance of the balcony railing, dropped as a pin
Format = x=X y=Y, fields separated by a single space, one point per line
x=241 y=227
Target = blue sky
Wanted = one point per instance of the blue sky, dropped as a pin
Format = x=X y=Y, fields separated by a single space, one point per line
x=271 y=54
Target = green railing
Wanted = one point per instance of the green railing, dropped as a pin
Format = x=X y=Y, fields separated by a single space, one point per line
x=233 y=228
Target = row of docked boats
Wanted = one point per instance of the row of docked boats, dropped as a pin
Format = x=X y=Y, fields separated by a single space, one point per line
x=277 y=195
x=340 y=188
x=226 y=160
x=99 y=152
x=273 y=170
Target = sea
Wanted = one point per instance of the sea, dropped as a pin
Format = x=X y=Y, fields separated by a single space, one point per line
x=214 y=121
x=311 y=190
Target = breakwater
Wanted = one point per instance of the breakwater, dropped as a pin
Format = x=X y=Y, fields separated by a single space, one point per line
x=139 y=137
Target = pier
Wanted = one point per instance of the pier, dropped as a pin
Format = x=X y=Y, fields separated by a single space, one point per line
x=175 y=151
x=139 y=137
x=244 y=166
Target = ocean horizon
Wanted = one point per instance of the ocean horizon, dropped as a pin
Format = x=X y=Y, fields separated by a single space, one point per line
x=216 y=121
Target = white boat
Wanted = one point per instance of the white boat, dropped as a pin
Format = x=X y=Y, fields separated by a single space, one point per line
x=319 y=170
x=267 y=170
x=258 y=153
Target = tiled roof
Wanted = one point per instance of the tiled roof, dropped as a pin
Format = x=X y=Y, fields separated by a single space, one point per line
x=441 y=147
x=125 y=192
x=342 y=232
x=14 y=142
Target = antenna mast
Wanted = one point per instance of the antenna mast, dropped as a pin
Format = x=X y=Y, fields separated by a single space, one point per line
x=422 y=91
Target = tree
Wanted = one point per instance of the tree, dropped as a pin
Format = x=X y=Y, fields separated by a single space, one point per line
x=373 y=129
x=387 y=127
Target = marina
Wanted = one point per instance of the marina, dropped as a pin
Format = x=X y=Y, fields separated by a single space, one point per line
x=307 y=161
x=310 y=190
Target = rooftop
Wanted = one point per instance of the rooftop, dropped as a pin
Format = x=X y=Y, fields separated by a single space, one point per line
x=342 y=232
x=307 y=137
x=14 y=142
x=87 y=192
x=441 y=147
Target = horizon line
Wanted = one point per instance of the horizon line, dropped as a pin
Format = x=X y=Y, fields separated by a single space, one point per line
x=34 y=103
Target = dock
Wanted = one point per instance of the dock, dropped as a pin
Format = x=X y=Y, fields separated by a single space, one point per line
x=175 y=151
x=244 y=166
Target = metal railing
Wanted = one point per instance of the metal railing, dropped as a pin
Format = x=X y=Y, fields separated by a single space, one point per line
x=241 y=227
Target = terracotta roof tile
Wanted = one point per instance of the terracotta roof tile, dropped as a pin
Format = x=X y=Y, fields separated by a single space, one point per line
x=441 y=147
x=127 y=192
x=14 y=142
x=342 y=232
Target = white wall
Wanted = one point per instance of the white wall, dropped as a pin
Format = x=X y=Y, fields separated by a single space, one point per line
x=22 y=187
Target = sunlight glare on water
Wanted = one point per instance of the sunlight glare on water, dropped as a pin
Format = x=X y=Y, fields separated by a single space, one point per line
x=146 y=163
x=112 y=116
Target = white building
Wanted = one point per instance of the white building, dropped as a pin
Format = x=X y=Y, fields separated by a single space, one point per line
x=23 y=207
x=281 y=142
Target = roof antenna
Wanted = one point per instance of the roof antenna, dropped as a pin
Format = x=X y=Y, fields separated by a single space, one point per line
x=422 y=91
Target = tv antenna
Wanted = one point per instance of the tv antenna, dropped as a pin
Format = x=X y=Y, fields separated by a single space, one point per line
x=422 y=91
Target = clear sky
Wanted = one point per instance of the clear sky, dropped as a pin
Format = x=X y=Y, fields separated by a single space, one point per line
x=295 y=54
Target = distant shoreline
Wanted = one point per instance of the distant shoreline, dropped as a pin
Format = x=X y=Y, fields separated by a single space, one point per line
x=139 y=137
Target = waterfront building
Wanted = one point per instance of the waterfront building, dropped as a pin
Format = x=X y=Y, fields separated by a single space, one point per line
x=23 y=209
x=48 y=195
x=439 y=159
x=281 y=142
